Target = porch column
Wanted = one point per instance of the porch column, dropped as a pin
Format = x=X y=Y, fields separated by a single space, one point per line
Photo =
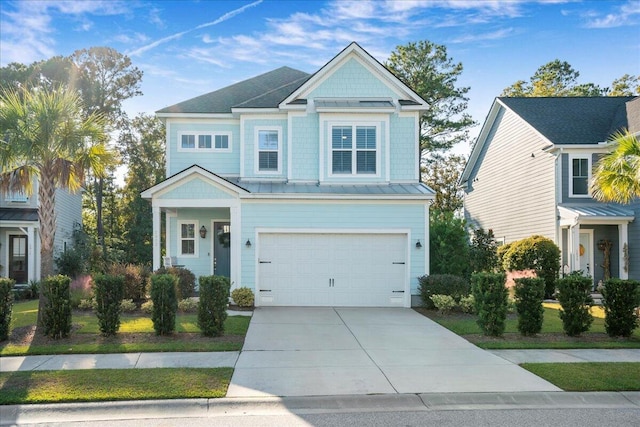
x=574 y=252
x=156 y=237
x=236 y=246
x=31 y=254
x=623 y=238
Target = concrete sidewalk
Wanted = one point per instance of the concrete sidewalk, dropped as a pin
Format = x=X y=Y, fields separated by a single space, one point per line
x=570 y=355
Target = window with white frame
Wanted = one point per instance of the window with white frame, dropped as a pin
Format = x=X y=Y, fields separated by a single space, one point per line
x=580 y=173
x=187 y=238
x=268 y=150
x=348 y=158
x=17 y=197
x=209 y=141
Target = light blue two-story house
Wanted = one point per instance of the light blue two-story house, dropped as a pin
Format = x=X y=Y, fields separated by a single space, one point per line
x=19 y=231
x=304 y=188
x=529 y=173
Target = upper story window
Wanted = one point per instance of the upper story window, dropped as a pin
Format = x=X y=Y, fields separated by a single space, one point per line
x=580 y=174
x=359 y=158
x=268 y=148
x=187 y=241
x=193 y=141
x=16 y=197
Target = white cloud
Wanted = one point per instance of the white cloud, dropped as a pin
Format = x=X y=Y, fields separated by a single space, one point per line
x=476 y=37
x=623 y=15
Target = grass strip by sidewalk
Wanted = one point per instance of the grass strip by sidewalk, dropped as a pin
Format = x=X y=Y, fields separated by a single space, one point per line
x=112 y=384
x=589 y=376
x=102 y=348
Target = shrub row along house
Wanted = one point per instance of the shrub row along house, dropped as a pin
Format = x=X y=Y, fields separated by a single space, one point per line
x=529 y=173
x=304 y=188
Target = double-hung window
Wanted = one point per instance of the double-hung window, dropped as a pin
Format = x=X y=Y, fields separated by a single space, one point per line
x=187 y=238
x=580 y=171
x=268 y=150
x=204 y=141
x=359 y=157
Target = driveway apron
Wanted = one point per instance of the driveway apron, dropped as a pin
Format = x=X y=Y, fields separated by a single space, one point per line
x=305 y=351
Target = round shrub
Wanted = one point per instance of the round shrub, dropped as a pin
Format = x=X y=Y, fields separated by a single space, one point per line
x=6 y=306
x=165 y=303
x=444 y=303
x=467 y=304
x=189 y=305
x=536 y=253
x=56 y=313
x=135 y=279
x=441 y=284
x=529 y=293
x=620 y=299
x=243 y=297
x=128 y=306
x=147 y=307
x=490 y=294
x=186 y=284
x=574 y=295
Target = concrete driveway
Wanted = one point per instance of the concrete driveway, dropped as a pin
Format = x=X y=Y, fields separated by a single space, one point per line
x=297 y=351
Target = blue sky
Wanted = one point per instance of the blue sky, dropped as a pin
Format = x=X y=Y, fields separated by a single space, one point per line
x=187 y=48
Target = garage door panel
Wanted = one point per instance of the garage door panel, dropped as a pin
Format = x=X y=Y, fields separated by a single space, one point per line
x=307 y=269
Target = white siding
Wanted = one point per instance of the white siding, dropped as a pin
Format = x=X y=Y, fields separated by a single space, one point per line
x=511 y=191
x=68 y=215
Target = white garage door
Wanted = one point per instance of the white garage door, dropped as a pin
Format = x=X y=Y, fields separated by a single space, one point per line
x=367 y=270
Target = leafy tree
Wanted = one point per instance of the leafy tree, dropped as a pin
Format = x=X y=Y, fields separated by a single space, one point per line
x=46 y=136
x=537 y=253
x=555 y=78
x=483 y=251
x=52 y=72
x=627 y=85
x=441 y=174
x=429 y=71
x=448 y=246
x=107 y=78
x=142 y=146
x=617 y=175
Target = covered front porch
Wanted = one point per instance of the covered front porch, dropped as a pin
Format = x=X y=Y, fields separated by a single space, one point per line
x=19 y=245
x=594 y=239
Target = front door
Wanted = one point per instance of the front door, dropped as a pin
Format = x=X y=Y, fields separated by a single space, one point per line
x=18 y=258
x=222 y=249
x=586 y=252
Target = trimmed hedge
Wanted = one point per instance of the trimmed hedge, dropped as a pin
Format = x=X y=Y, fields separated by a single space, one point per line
x=186 y=284
x=537 y=253
x=212 y=308
x=165 y=303
x=574 y=296
x=620 y=299
x=490 y=295
x=6 y=306
x=56 y=315
x=529 y=293
x=442 y=284
x=109 y=291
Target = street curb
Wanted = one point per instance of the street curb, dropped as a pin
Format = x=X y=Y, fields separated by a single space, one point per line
x=213 y=408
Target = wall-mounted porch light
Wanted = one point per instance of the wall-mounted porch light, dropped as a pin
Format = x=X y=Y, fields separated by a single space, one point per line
x=418 y=245
x=203 y=232
x=248 y=244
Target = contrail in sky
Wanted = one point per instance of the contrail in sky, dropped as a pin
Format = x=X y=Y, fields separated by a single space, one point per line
x=223 y=18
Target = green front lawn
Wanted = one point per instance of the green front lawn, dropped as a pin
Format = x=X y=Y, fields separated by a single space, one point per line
x=136 y=334
x=589 y=376
x=95 y=385
x=552 y=335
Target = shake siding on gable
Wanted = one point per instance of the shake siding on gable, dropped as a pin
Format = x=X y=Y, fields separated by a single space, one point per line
x=305 y=150
x=513 y=192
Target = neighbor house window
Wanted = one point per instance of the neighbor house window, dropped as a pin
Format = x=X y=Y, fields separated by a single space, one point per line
x=268 y=150
x=205 y=141
x=580 y=171
x=16 y=197
x=187 y=241
x=348 y=158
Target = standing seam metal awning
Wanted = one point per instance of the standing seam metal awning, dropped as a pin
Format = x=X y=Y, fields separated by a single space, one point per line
x=594 y=214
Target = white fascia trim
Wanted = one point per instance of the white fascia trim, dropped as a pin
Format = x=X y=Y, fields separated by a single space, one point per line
x=196 y=203
x=355 y=110
x=18 y=224
x=186 y=176
x=196 y=115
x=481 y=140
x=294 y=107
x=386 y=197
x=255 y=110
x=579 y=148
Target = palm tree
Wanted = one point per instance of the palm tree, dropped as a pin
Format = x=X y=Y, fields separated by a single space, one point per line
x=45 y=136
x=617 y=175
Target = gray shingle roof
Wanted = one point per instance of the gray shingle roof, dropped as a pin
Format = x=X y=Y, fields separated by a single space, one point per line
x=263 y=91
x=572 y=120
x=18 y=214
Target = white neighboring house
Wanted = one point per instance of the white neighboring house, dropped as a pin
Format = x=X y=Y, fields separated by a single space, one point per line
x=19 y=231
